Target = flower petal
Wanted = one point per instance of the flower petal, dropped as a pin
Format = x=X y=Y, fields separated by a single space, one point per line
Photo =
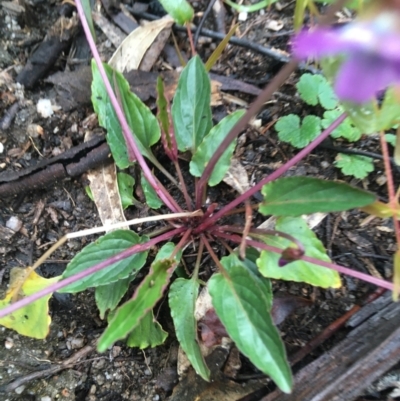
x=318 y=43
x=363 y=75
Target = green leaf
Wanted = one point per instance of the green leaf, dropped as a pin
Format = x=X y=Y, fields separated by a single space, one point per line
x=299 y=270
x=180 y=10
x=108 y=296
x=166 y=251
x=391 y=139
x=152 y=199
x=250 y=8
x=345 y=130
x=141 y=121
x=389 y=113
x=191 y=111
x=316 y=89
x=88 y=15
x=32 y=320
x=148 y=333
x=264 y=285
x=182 y=299
x=103 y=248
x=294 y=196
x=108 y=119
x=210 y=144
x=125 y=186
x=355 y=165
x=289 y=129
x=240 y=304
x=128 y=316
x=164 y=119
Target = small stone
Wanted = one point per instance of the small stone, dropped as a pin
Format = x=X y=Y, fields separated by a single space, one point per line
x=20 y=389
x=77 y=343
x=156 y=397
x=14 y=223
x=116 y=350
x=44 y=108
x=45 y=398
x=242 y=16
x=9 y=343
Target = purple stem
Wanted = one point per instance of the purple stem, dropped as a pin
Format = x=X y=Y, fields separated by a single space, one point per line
x=341 y=269
x=273 y=176
x=100 y=266
x=129 y=138
x=265 y=95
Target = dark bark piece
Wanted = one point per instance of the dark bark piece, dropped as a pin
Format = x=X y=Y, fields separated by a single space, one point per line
x=124 y=22
x=71 y=163
x=73 y=88
x=75 y=153
x=43 y=58
x=342 y=373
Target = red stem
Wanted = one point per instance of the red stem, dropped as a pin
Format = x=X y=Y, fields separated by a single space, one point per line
x=265 y=95
x=390 y=185
x=276 y=174
x=128 y=136
x=341 y=269
x=100 y=266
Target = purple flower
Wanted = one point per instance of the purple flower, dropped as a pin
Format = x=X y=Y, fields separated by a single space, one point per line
x=371 y=49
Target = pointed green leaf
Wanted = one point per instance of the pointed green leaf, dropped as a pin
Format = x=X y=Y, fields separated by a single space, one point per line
x=191 y=110
x=164 y=118
x=180 y=10
x=316 y=89
x=239 y=302
x=128 y=316
x=294 y=196
x=299 y=270
x=87 y=9
x=182 y=299
x=148 y=333
x=108 y=296
x=141 y=120
x=389 y=113
x=166 y=251
x=152 y=199
x=355 y=165
x=125 y=187
x=103 y=248
x=298 y=134
x=210 y=144
x=108 y=119
x=264 y=285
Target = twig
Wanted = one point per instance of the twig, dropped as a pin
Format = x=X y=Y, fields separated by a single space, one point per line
x=266 y=51
x=202 y=21
x=68 y=363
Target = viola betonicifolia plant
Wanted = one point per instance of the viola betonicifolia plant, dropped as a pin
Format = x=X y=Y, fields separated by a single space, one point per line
x=362 y=60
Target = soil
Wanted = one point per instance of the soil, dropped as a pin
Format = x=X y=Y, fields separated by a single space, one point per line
x=44 y=215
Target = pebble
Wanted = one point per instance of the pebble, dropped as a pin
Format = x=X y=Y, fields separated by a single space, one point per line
x=14 y=223
x=20 y=389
